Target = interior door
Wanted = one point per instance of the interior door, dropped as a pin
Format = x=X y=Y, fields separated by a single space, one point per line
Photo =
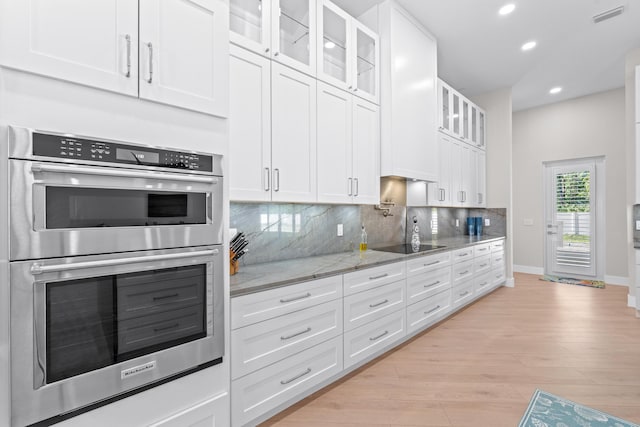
x=570 y=218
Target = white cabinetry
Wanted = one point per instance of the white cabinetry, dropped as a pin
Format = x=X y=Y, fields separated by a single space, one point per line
x=213 y=412
x=459 y=117
x=283 y=30
x=348 y=54
x=347 y=147
x=408 y=85
x=97 y=44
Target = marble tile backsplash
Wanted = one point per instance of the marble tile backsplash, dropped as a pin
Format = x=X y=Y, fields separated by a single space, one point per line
x=286 y=231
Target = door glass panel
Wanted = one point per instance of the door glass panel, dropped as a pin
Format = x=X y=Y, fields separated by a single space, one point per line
x=456 y=114
x=76 y=207
x=481 y=130
x=474 y=124
x=334 y=42
x=445 y=108
x=96 y=322
x=366 y=62
x=245 y=18
x=465 y=119
x=294 y=30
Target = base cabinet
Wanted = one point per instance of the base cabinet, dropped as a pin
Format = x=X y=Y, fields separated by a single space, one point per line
x=367 y=340
x=213 y=412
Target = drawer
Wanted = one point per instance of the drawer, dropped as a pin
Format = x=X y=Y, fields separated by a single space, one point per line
x=497 y=259
x=428 y=311
x=460 y=295
x=482 y=249
x=261 y=344
x=359 y=281
x=462 y=254
x=428 y=263
x=499 y=276
x=365 y=307
x=267 y=388
x=427 y=284
x=462 y=271
x=259 y=306
x=482 y=264
x=211 y=412
x=497 y=246
x=372 y=338
x=484 y=283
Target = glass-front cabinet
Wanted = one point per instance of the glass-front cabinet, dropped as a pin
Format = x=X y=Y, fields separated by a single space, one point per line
x=459 y=117
x=444 y=101
x=482 y=136
x=283 y=30
x=348 y=55
x=465 y=119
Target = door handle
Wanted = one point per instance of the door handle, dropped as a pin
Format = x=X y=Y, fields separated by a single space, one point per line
x=267 y=177
x=150 y=79
x=350 y=192
x=128 y=40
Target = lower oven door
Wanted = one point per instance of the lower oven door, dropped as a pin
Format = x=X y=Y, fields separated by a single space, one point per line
x=89 y=328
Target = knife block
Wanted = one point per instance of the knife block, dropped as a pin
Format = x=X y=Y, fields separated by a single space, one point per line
x=234 y=266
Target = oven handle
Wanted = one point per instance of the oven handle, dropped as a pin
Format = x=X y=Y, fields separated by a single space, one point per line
x=121 y=173
x=37 y=268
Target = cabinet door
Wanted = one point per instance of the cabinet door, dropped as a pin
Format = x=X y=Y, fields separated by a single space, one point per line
x=249 y=126
x=481 y=180
x=468 y=175
x=366 y=149
x=444 y=104
x=335 y=177
x=210 y=413
x=456 y=126
x=366 y=67
x=482 y=133
x=334 y=45
x=293 y=135
x=184 y=61
x=293 y=34
x=466 y=114
x=250 y=25
x=473 y=131
x=92 y=43
x=441 y=193
x=456 y=173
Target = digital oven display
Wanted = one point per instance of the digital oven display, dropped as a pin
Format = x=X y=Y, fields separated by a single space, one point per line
x=137 y=156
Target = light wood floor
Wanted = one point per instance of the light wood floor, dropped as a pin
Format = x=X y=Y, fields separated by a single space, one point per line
x=481 y=366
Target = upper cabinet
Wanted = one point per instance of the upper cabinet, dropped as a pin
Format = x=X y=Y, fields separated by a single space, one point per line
x=283 y=30
x=348 y=52
x=96 y=44
x=459 y=117
x=408 y=93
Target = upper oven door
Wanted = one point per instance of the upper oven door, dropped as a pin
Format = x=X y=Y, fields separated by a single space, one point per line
x=59 y=210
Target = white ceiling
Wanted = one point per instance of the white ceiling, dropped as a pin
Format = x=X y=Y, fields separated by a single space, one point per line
x=479 y=50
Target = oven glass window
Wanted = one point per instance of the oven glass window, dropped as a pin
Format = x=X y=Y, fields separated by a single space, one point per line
x=74 y=207
x=95 y=322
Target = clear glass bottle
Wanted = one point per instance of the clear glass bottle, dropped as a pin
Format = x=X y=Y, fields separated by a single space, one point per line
x=363 y=240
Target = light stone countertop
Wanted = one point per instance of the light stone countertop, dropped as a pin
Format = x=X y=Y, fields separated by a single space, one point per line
x=261 y=277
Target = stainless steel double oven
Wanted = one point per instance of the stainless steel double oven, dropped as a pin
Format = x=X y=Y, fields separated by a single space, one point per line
x=115 y=269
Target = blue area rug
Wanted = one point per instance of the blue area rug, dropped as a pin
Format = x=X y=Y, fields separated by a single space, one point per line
x=548 y=410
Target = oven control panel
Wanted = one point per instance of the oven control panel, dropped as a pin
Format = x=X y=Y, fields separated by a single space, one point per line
x=73 y=148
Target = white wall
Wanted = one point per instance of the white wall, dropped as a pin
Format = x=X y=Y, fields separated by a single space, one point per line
x=497 y=105
x=589 y=126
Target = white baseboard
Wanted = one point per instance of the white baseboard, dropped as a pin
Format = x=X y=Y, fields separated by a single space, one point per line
x=616 y=280
x=510 y=283
x=631 y=301
x=527 y=269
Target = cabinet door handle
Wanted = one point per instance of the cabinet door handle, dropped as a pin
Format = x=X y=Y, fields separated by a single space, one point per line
x=276 y=180
x=432 y=310
x=128 y=40
x=463 y=272
x=378 y=277
x=307 y=295
x=285 y=382
x=288 y=337
x=442 y=194
x=432 y=263
x=267 y=178
x=350 y=193
x=378 y=336
x=276 y=53
x=378 y=304
x=355 y=181
x=437 y=282
x=266 y=50
x=150 y=46
x=464 y=254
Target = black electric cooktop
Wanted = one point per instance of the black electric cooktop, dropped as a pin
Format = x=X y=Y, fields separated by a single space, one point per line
x=407 y=248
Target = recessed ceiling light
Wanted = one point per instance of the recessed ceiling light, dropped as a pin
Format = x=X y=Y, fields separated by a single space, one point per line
x=555 y=90
x=329 y=45
x=507 y=9
x=529 y=45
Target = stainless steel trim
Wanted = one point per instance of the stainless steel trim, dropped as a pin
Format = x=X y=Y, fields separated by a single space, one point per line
x=276 y=180
x=432 y=310
x=284 y=301
x=120 y=173
x=150 y=79
x=378 y=336
x=127 y=37
x=288 y=337
x=378 y=304
x=37 y=268
x=437 y=282
x=285 y=382
x=267 y=179
x=378 y=277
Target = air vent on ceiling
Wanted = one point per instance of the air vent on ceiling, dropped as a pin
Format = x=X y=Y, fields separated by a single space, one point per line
x=608 y=14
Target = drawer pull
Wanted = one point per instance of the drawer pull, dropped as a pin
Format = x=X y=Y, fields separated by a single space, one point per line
x=307 y=295
x=482 y=249
x=437 y=282
x=166 y=328
x=498 y=276
x=464 y=294
x=432 y=310
x=285 y=382
x=288 y=337
x=165 y=297
x=464 y=254
x=499 y=259
x=379 y=336
x=483 y=284
x=432 y=263
x=463 y=272
x=378 y=277
x=483 y=265
x=378 y=304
